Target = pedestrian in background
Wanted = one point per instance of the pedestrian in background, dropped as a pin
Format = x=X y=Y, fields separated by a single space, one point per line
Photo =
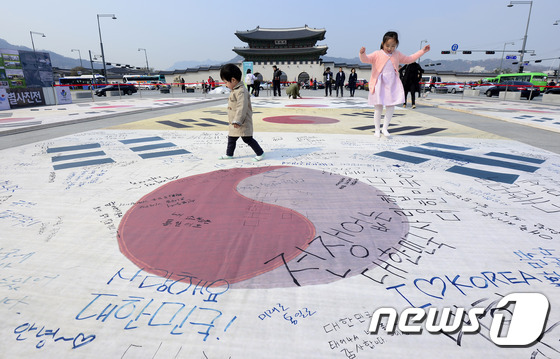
x=293 y=90
x=352 y=79
x=276 y=80
x=339 y=82
x=385 y=87
x=327 y=79
x=411 y=75
x=240 y=113
x=249 y=81
x=256 y=87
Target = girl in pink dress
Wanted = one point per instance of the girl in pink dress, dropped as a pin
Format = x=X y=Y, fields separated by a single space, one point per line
x=385 y=86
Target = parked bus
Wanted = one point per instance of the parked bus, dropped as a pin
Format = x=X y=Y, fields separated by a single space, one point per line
x=536 y=78
x=83 y=82
x=145 y=81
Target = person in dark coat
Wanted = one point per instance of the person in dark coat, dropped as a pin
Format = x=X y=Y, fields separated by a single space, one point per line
x=339 y=82
x=276 y=80
x=328 y=80
x=352 y=79
x=256 y=87
x=411 y=75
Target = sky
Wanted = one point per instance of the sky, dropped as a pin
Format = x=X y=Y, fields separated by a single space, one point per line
x=195 y=30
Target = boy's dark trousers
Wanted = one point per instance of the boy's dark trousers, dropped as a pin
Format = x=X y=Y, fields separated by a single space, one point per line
x=249 y=140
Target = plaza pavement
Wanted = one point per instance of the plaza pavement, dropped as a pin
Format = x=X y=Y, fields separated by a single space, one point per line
x=31 y=118
x=133 y=240
x=534 y=114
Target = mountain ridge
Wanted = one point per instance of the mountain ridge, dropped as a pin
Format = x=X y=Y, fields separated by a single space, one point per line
x=457 y=65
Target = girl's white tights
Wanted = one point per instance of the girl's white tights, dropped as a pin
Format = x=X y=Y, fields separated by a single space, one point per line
x=389 y=110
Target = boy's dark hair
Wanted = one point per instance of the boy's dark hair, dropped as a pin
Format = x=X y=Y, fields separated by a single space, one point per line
x=230 y=71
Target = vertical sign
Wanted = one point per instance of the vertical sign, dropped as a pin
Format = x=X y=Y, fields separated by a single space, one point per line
x=4 y=104
x=63 y=95
x=454 y=48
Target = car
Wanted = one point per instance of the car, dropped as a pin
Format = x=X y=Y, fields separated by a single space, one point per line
x=553 y=90
x=482 y=87
x=430 y=82
x=471 y=85
x=193 y=85
x=142 y=85
x=127 y=89
x=221 y=90
x=527 y=89
x=265 y=85
x=146 y=86
x=164 y=88
x=455 y=87
x=360 y=84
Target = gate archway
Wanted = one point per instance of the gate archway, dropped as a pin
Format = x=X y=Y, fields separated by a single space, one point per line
x=303 y=77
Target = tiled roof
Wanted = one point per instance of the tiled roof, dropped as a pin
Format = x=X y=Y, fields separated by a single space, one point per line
x=316 y=50
x=281 y=34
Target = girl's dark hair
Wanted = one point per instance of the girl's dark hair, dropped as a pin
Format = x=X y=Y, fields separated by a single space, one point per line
x=230 y=71
x=390 y=35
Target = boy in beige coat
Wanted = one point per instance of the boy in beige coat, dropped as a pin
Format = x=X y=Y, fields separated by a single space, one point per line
x=240 y=113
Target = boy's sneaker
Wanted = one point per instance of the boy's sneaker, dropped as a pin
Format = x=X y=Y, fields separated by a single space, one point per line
x=225 y=157
x=258 y=158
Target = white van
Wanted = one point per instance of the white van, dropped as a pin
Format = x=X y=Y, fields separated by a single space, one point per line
x=429 y=82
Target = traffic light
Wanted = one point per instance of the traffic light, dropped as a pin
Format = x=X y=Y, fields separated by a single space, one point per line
x=445 y=52
x=467 y=52
x=490 y=52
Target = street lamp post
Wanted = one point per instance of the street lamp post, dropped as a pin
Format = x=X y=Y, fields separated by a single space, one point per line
x=91 y=63
x=101 y=41
x=501 y=62
x=80 y=55
x=530 y=3
x=146 y=54
x=421 y=42
x=36 y=33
